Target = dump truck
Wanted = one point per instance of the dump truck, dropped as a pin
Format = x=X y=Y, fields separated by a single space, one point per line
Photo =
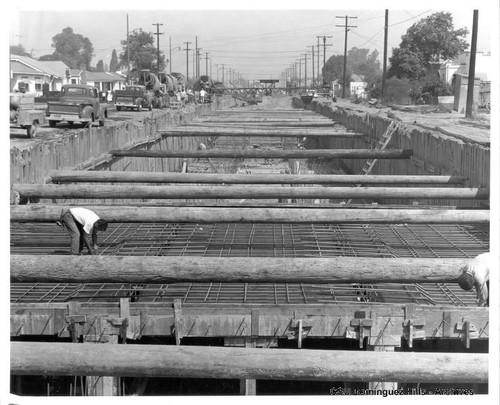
x=24 y=115
x=78 y=103
x=133 y=97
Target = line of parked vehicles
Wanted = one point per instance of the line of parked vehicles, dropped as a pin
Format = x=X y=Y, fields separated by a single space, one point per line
x=80 y=103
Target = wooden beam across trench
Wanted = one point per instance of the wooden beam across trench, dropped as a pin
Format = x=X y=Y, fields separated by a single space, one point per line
x=52 y=213
x=173 y=269
x=274 y=131
x=88 y=176
x=56 y=191
x=269 y=153
x=34 y=358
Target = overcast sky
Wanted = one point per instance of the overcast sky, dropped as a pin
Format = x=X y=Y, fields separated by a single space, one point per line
x=258 y=43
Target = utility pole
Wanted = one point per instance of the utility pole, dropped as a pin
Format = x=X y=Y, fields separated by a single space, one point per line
x=305 y=71
x=187 y=60
x=346 y=26
x=384 y=68
x=324 y=52
x=195 y=66
x=222 y=73
x=300 y=72
x=313 y=81
x=198 y=62
x=206 y=63
x=128 y=54
x=170 y=54
x=469 y=113
x=217 y=70
x=158 y=46
x=318 y=58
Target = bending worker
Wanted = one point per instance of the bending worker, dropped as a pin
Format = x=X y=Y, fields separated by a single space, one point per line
x=82 y=225
x=477 y=274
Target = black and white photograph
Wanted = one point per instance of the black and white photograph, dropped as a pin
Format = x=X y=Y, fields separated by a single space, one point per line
x=288 y=201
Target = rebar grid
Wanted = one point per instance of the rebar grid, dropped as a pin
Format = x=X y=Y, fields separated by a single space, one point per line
x=258 y=240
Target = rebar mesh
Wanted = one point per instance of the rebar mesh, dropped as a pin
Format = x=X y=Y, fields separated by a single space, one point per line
x=258 y=240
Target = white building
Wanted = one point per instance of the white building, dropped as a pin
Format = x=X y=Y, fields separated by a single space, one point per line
x=29 y=75
x=484 y=67
x=357 y=86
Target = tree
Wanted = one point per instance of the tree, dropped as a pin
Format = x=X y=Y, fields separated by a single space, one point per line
x=142 y=51
x=431 y=39
x=364 y=63
x=359 y=61
x=113 y=64
x=19 y=50
x=334 y=69
x=100 y=66
x=73 y=49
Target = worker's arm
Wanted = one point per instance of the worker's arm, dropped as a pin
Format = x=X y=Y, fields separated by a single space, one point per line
x=88 y=242
x=482 y=293
x=94 y=239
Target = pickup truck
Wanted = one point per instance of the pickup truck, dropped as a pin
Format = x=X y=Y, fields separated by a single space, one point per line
x=24 y=115
x=78 y=103
x=134 y=97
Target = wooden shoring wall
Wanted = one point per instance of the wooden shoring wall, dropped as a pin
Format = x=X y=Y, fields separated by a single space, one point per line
x=433 y=153
x=85 y=148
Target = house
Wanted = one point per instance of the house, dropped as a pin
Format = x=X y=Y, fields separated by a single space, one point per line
x=30 y=75
x=357 y=86
x=460 y=66
x=105 y=81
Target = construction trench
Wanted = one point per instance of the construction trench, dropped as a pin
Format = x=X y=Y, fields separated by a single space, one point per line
x=255 y=250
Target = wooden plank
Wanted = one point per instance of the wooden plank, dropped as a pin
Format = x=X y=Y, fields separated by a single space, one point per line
x=34 y=358
x=76 y=176
x=269 y=153
x=47 y=213
x=166 y=269
x=92 y=191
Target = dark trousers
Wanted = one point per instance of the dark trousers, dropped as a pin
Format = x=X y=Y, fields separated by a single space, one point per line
x=77 y=235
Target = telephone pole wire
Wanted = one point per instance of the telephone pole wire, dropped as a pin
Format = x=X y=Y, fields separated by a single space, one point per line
x=346 y=26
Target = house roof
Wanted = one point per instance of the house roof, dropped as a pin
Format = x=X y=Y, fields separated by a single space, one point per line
x=104 y=77
x=357 y=78
x=29 y=65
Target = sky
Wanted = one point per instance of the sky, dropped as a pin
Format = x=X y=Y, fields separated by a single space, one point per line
x=257 y=43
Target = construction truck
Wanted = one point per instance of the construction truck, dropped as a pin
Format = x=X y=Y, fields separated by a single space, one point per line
x=23 y=113
x=78 y=103
x=133 y=97
x=181 y=80
x=170 y=87
x=155 y=89
x=205 y=83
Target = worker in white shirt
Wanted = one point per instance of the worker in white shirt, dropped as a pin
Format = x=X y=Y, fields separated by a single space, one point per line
x=476 y=274
x=82 y=225
x=203 y=93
